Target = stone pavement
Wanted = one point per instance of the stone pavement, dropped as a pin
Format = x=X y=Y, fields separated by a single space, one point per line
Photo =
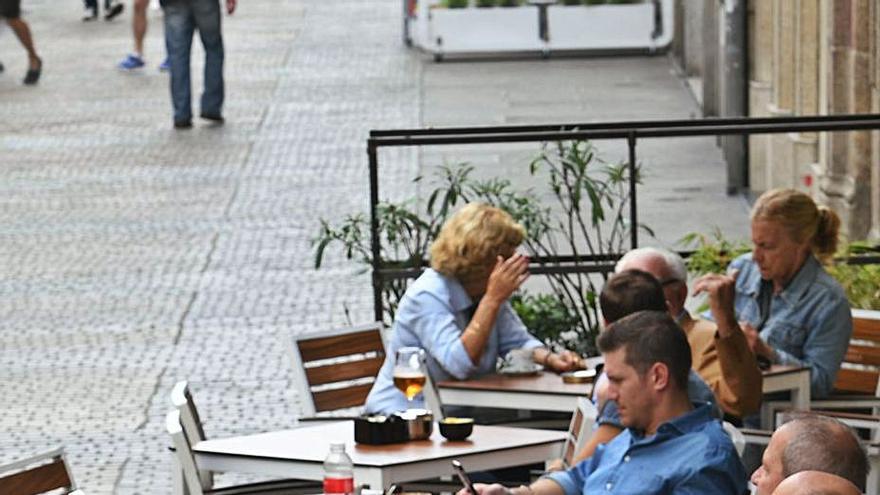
x=133 y=256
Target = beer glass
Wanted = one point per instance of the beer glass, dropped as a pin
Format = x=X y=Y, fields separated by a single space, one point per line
x=409 y=377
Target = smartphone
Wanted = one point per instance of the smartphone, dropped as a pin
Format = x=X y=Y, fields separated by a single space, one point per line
x=463 y=476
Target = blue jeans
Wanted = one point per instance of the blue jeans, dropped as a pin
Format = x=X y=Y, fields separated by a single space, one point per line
x=182 y=17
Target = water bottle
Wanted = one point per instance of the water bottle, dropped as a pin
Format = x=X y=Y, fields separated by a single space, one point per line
x=338 y=471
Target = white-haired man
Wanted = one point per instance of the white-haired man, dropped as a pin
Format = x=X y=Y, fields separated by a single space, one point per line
x=719 y=351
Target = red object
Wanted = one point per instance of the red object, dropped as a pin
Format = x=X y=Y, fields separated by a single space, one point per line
x=338 y=485
x=808 y=180
x=411 y=9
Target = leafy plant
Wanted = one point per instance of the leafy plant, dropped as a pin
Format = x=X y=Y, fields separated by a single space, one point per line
x=712 y=253
x=547 y=316
x=485 y=3
x=591 y=197
x=456 y=4
x=509 y=3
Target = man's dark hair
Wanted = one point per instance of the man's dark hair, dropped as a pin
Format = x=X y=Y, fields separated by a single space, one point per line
x=630 y=291
x=821 y=443
x=649 y=337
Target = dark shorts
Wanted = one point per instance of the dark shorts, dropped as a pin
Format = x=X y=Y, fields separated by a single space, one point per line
x=10 y=9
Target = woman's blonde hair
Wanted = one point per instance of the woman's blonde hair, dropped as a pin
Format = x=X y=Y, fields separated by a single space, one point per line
x=471 y=239
x=803 y=220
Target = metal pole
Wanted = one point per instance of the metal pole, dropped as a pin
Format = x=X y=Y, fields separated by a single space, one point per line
x=633 y=213
x=374 y=229
x=735 y=91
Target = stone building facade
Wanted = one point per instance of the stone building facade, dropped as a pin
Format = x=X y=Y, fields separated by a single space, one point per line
x=805 y=57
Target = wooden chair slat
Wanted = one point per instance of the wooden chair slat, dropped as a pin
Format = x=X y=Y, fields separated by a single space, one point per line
x=860 y=381
x=328 y=400
x=332 y=373
x=866 y=329
x=864 y=355
x=340 y=345
x=37 y=480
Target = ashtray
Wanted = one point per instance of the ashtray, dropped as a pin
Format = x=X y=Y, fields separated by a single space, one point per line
x=380 y=430
x=579 y=376
x=456 y=429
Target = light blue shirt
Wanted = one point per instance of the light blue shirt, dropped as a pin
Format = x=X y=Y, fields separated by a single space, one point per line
x=432 y=315
x=698 y=393
x=690 y=454
x=810 y=321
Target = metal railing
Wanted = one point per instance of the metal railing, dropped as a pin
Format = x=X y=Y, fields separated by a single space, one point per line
x=630 y=131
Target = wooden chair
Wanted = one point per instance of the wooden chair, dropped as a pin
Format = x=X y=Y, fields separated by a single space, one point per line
x=336 y=369
x=186 y=419
x=41 y=473
x=857 y=387
x=736 y=436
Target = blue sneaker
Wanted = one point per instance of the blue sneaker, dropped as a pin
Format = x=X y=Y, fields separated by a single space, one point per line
x=131 y=62
x=165 y=66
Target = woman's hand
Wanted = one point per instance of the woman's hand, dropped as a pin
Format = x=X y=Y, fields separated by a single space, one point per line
x=564 y=361
x=507 y=275
x=756 y=343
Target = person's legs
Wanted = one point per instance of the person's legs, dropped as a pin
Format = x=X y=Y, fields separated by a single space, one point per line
x=179 y=26
x=91 y=10
x=139 y=25
x=207 y=15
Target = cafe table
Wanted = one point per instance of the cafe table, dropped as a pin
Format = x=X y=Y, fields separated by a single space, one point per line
x=545 y=391
x=300 y=452
x=541 y=391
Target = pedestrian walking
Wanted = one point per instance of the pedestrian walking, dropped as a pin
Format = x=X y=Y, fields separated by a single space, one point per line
x=112 y=9
x=135 y=60
x=11 y=11
x=182 y=18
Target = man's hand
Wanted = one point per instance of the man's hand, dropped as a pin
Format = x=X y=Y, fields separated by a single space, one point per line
x=722 y=292
x=507 y=275
x=484 y=489
x=230 y=6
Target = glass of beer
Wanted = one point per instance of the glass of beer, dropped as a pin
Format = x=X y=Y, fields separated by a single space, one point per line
x=409 y=377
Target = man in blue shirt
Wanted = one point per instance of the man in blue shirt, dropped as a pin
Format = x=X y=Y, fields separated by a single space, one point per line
x=669 y=446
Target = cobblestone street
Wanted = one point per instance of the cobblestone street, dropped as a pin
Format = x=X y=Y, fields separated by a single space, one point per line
x=133 y=255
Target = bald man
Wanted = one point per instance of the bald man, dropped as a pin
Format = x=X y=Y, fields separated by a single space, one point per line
x=811 y=442
x=815 y=483
x=719 y=351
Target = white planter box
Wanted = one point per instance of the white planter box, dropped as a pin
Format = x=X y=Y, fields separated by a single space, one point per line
x=498 y=30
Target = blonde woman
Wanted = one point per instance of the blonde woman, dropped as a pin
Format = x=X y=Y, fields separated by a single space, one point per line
x=791 y=310
x=457 y=311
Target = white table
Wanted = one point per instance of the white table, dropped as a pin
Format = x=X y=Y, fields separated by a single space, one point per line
x=300 y=453
x=544 y=391
x=793 y=379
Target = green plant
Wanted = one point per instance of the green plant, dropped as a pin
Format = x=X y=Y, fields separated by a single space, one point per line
x=546 y=316
x=485 y=3
x=712 y=253
x=571 y=2
x=591 y=196
x=593 y=2
x=509 y=3
x=456 y=4
x=861 y=282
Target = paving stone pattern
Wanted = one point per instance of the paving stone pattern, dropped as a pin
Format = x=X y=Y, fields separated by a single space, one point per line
x=133 y=255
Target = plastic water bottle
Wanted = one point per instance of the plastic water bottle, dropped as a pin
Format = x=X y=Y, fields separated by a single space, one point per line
x=338 y=471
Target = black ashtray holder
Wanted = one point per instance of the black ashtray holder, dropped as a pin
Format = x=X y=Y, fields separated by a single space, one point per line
x=372 y=432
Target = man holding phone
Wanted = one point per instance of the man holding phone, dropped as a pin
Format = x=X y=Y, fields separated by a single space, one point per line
x=669 y=446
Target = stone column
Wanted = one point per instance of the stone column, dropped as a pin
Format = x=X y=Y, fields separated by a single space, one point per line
x=760 y=86
x=780 y=153
x=844 y=176
x=875 y=107
x=805 y=145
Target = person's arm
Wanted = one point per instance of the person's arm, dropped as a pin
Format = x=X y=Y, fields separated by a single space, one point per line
x=563 y=361
x=828 y=336
x=543 y=486
x=507 y=275
x=740 y=389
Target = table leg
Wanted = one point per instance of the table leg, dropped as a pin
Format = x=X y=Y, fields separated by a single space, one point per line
x=178 y=483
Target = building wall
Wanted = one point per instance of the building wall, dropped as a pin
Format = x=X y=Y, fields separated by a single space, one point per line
x=812 y=57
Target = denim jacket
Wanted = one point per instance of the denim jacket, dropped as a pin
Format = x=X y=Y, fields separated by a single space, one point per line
x=810 y=322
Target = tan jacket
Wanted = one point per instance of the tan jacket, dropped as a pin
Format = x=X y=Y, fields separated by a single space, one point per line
x=726 y=364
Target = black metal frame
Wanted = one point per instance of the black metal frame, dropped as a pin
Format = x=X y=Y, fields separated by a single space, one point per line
x=630 y=131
